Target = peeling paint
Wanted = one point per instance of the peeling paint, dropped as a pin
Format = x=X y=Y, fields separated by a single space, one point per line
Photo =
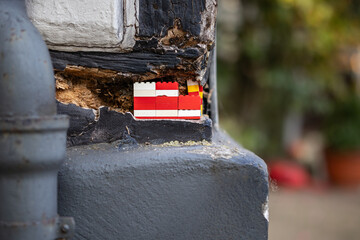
x=218 y=151
x=265 y=209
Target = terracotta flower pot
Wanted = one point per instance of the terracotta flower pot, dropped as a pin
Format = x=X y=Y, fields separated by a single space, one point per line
x=344 y=167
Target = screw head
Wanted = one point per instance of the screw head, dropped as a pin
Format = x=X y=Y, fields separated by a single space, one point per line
x=65 y=228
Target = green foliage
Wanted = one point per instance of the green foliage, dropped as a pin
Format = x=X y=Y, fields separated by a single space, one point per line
x=342 y=126
x=286 y=59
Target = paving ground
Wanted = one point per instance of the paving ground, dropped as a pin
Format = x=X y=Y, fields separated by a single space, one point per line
x=314 y=215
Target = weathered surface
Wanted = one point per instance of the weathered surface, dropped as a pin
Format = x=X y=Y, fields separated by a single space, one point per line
x=156 y=16
x=154 y=192
x=116 y=25
x=88 y=26
x=136 y=62
x=88 y=126
x=92 y=80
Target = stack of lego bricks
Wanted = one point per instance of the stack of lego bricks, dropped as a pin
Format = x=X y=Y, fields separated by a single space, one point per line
x=195 y=89
x=161 y=100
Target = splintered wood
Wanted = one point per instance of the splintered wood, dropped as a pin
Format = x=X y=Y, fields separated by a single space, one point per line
x=93 y=87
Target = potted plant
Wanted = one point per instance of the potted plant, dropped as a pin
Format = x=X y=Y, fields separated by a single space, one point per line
x=342 y=132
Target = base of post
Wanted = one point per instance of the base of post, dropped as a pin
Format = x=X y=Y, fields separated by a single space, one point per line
x=211 y=191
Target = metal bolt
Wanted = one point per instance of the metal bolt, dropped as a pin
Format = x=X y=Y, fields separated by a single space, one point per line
x=65 y=228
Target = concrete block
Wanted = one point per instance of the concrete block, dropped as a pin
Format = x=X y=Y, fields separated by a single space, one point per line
x=216 y=191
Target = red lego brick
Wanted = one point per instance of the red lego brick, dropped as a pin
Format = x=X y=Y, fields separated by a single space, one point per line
x=201 y=88
x=194 y=94
x=166 y=103
x=145 y=117
x=189 y=102
x=167 y=86
x=144 y=103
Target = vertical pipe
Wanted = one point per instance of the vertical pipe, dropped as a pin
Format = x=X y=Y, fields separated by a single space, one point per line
x=213 y=87
x=32 y=136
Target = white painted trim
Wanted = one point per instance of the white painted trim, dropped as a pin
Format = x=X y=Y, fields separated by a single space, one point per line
x=91 y=25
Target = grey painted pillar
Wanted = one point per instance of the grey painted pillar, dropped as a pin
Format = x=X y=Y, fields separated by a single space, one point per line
x=32 y=136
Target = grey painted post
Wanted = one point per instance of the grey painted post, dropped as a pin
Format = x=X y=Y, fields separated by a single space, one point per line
x=32 y=136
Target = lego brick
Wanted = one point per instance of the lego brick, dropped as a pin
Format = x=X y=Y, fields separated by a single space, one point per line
x=145 y=93
x=144 y=103
x=189 y=102
x=166 y=103
x=166 y=113
x=144 y=86
x=189 y=118
x=189 y=113
x=193 y=88
x=144 y=113
x=144 y=89
x=167 y=86
x=169 y=93
x=201 y=94
x=170 y=89
x=192 y=83
x=194 y=93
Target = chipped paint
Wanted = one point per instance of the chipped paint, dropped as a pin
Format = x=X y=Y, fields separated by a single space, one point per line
x=265 y=209
x=218 y=151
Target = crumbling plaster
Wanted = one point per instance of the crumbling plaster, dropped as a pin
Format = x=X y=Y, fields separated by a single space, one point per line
x=114 y=25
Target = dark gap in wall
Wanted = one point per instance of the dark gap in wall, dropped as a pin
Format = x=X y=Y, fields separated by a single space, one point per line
x=93 y=88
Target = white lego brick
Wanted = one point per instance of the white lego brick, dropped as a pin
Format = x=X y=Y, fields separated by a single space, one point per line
x=140 y=86
x=145 y=113
x=166 y=113
x=144 y=93
x=192 y=83
x=189 y=113
x=169 y=93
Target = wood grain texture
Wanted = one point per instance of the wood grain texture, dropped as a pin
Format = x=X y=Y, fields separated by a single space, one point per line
x=157 y=16
x=134 y=62
x=112 y=126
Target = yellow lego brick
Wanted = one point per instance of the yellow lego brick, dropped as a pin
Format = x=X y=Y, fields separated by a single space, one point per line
x=201 y=94
x=193 y=88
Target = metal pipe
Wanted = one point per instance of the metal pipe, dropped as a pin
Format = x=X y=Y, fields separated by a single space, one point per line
x=32 y=136
x=213 y=86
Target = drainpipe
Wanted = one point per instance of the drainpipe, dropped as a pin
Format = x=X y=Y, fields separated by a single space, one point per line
x=32 y=136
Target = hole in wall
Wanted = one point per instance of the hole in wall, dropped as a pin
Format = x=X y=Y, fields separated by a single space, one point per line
x=93 y=88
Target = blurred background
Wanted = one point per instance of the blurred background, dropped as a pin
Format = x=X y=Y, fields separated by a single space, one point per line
x=289 y=90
